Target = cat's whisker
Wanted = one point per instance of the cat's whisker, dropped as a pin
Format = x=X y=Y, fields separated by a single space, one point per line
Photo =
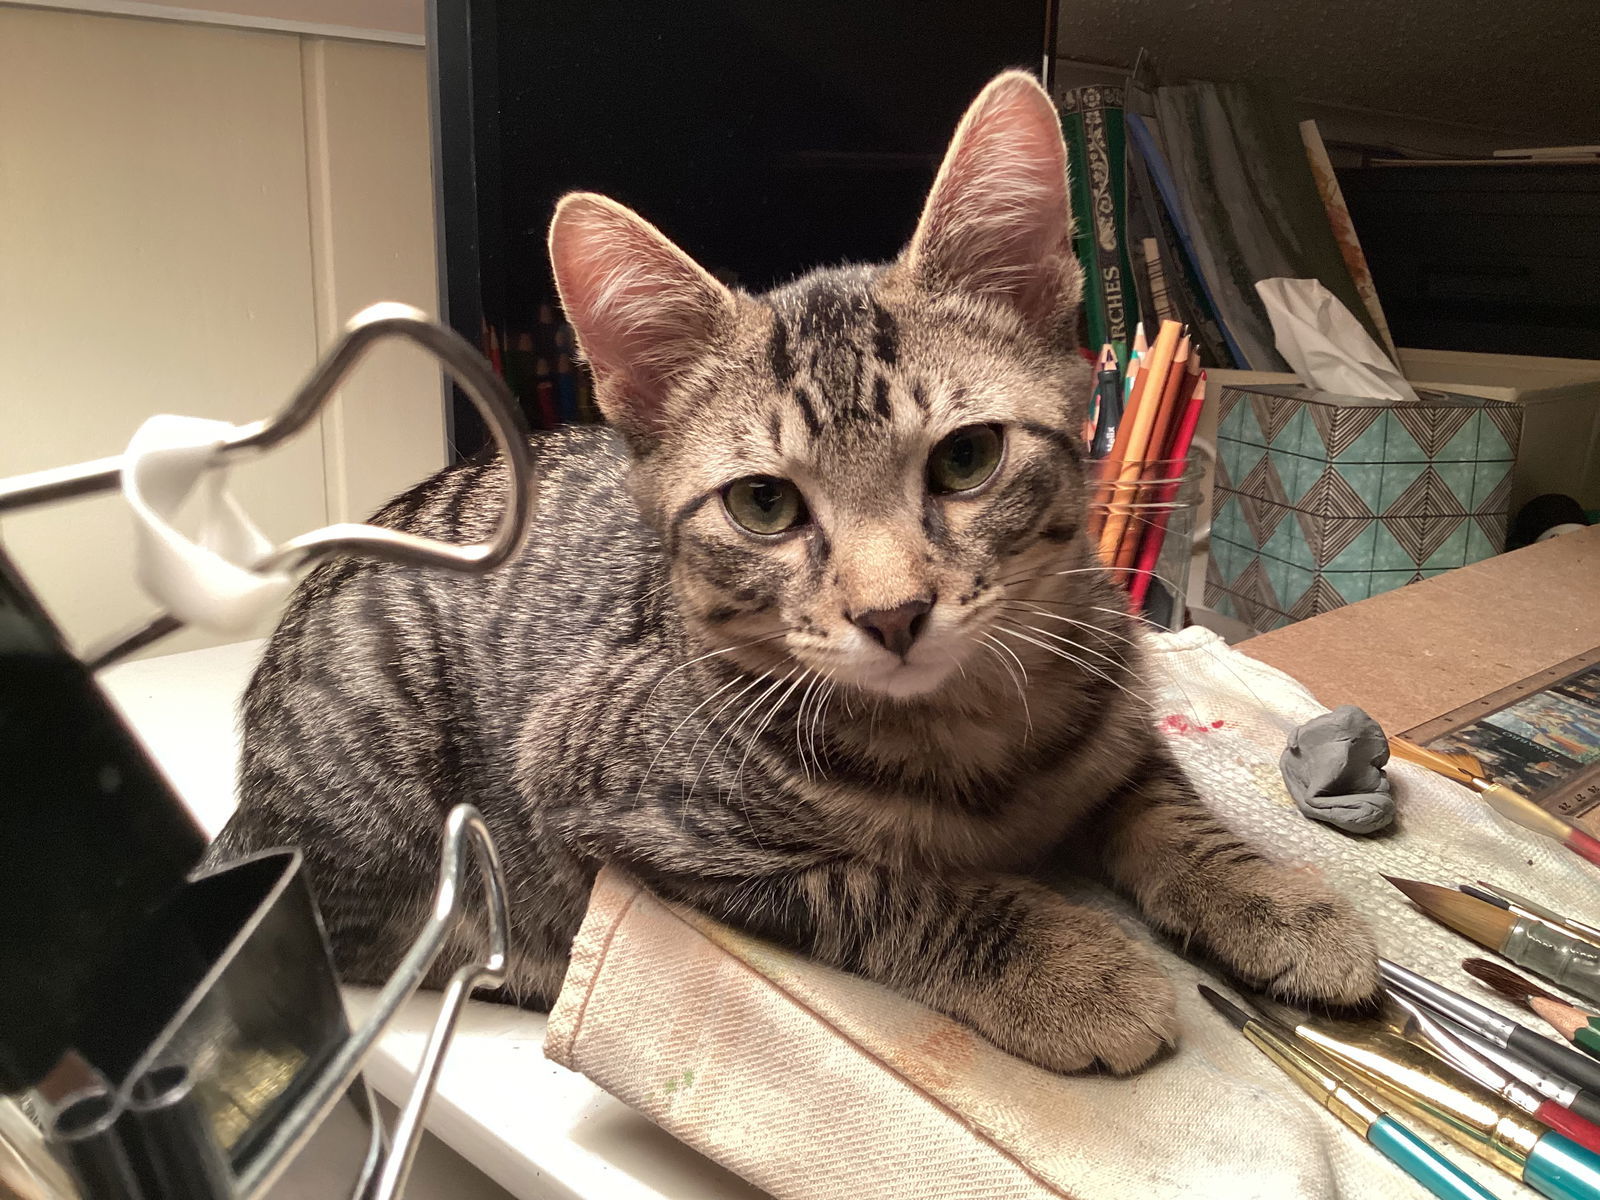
x=1100 y=672
x=817 y=725
x=713 y=654
x=1188 y=696
x=1076 y=645
x=1088 y=668
x=707 y=725
x=755 y=738
x=1091 y=626
x=730 y=737
x=995 y=646
x=1220 y=657
x=1097 y=569
x=799 y=725
x=824 y=693
x=645 y=778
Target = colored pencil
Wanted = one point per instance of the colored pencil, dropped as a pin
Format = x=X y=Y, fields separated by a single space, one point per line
x=1151 y=458
x=1128 y=452
x=1335 y=1092
x=1176 y=453
x=1102 y=426
x=1580 y=1028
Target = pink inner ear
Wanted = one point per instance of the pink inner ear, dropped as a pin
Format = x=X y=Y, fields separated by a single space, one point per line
x=642 y=309
x=998 y=220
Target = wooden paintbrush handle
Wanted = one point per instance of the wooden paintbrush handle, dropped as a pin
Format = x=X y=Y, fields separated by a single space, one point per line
x=1524 y=812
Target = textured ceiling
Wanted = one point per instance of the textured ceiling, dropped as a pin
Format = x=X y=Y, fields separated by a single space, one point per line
x=1530 y=69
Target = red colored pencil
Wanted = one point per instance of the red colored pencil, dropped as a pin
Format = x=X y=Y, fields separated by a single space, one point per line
x=1177 y=451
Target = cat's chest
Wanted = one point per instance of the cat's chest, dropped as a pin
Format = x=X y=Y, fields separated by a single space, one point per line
x=976 y=794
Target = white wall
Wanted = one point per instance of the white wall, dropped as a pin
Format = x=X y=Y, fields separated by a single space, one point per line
x=187 y=215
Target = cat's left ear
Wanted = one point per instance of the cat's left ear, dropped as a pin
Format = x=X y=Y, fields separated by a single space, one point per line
x=998 y=222
x=644 y=311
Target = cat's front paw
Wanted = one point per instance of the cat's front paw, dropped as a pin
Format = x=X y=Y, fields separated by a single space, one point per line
x=1291 y=938
x=1087 y=995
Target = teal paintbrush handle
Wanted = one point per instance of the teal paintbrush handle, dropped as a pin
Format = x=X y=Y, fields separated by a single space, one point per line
x=1562 y=1169
x=1425 y=1164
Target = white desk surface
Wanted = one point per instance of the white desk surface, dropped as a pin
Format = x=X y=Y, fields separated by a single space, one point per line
x=535 y=1128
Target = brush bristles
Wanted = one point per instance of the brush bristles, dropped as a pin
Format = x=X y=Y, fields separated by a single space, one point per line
x=1237 y=1017
x=1566 y=1019
x=1507 y=982
x=1483 y=923
x=1442 y=764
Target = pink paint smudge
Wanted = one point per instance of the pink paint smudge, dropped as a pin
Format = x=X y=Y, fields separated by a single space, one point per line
x=1177 y=723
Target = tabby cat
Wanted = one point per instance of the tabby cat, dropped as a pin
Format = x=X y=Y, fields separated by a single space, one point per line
x=810 y=639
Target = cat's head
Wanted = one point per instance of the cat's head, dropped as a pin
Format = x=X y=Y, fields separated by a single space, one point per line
x=856 y=472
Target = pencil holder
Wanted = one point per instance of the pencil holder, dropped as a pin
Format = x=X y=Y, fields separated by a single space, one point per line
x=1143 y=517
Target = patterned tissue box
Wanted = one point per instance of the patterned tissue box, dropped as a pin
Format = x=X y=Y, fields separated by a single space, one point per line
x=1321 y=501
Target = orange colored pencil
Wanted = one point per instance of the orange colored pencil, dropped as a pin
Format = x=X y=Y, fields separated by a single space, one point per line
x=1174 y=397
x=1134 y=437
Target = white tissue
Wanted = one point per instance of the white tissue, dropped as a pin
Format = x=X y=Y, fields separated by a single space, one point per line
x=1327 y=347
x=210 y=579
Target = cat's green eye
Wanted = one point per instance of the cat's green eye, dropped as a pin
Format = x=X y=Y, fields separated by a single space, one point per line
x=764 y=504
x=965 y=459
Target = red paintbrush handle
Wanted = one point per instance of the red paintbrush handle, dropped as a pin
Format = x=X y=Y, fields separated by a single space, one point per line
x=1568 y=1123
x=1582 y=844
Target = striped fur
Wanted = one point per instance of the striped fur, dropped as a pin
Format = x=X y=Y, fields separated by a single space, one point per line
x=648 y=685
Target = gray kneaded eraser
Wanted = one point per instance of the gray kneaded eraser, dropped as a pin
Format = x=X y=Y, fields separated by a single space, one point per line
x=1333 y=766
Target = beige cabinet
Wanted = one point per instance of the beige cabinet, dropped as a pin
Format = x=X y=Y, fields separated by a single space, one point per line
x=187 y=215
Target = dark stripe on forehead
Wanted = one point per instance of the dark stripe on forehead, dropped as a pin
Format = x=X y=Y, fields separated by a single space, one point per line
x=880 y=396
x=778 y=359
x=808 y=411
x=919 y=394
x=775 y=428
x=885 y=335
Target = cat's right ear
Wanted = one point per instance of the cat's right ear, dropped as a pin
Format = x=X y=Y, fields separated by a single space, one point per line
x=643 y=310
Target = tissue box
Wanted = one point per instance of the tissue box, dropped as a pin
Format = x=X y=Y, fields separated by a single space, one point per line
x=1322 y=500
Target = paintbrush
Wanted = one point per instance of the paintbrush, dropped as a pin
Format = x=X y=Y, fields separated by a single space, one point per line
x=1547 y=951
x=1513 y=806
x=1334 y=1092
x=1462 y=1109
x=1492 y=1027
x=1524 y=910
x=1580 y=1028
x=1480 y=1062
x=1581 y=928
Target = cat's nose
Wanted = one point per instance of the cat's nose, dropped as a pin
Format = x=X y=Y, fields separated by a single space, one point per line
x=895 y=628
